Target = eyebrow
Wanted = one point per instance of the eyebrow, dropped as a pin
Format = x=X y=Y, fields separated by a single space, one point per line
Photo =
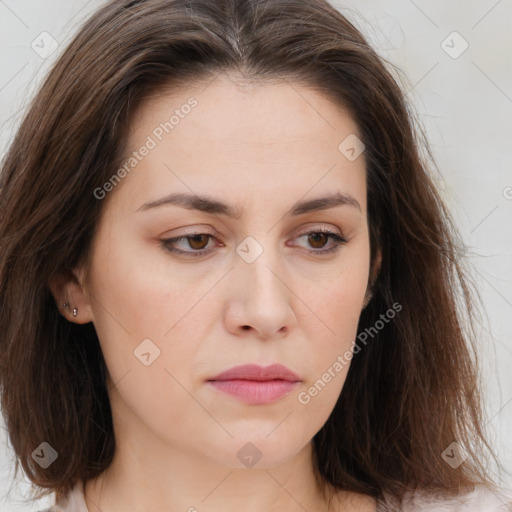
x=214 y=206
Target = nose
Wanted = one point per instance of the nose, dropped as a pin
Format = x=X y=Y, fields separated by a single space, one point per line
x=260 y=299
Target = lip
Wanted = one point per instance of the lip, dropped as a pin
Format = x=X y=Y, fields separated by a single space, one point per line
x=255 y=384
x=259 y=373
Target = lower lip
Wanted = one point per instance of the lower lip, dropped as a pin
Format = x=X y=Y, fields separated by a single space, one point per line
x=254 y=392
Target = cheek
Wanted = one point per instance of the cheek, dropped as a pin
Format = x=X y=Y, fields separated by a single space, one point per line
x=338 y=303
x=332 y=331
x=134 y=287
x=331 y=340
x=141 y=324
x=329 y=355
x=136 y=315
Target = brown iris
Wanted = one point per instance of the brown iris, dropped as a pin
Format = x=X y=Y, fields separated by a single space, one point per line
x=197 y=239
x=315 y=237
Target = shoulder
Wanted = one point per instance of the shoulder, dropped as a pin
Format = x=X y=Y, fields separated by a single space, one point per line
x=481 y=499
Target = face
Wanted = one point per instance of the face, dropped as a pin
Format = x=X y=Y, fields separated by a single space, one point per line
x=262 y=271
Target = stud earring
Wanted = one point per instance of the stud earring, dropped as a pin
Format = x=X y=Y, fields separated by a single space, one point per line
x=65 y=305
x=75 y=311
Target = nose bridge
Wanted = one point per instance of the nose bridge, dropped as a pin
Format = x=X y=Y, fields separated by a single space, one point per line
x=260 y=266
x=262 y=297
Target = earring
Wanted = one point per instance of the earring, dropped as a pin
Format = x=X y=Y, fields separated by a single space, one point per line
x=65 y=305
x=75 y=311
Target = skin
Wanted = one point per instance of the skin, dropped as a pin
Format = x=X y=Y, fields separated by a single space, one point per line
x=177 y=437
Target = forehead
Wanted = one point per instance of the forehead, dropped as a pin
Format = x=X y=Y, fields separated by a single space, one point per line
x=225 y=135
x=243 y=114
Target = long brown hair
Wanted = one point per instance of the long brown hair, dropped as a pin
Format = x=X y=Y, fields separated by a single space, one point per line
x=409 y=393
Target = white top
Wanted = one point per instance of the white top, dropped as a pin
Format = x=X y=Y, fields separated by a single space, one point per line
x=481 y=499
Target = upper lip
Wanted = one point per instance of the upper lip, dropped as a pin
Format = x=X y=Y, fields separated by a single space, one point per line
x=255 y=372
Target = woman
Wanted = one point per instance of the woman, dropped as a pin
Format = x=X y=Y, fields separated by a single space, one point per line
x=228 y=281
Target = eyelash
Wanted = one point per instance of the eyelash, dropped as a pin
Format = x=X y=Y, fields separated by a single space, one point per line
x=166 y=243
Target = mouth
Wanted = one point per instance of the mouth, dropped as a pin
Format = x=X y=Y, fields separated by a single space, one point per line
x=255 y=384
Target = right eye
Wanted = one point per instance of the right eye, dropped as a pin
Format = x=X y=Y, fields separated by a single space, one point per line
x=195 y=241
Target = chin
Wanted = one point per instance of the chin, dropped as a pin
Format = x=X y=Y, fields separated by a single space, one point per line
x=256 y=450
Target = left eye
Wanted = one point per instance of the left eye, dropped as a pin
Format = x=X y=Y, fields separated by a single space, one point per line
x=321 y=238
x=198 y=242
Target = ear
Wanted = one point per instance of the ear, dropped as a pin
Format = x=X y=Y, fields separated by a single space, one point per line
x=374 y=272
x=71 y=297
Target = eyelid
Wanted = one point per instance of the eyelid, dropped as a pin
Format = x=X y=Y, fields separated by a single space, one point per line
x=336 y=237
x=213 y=233
x=320 y=228
x=165 y=243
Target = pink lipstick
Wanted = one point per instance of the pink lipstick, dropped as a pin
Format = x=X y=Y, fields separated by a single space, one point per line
x=255 y=384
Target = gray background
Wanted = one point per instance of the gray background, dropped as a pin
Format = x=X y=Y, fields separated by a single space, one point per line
x=465 y=104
